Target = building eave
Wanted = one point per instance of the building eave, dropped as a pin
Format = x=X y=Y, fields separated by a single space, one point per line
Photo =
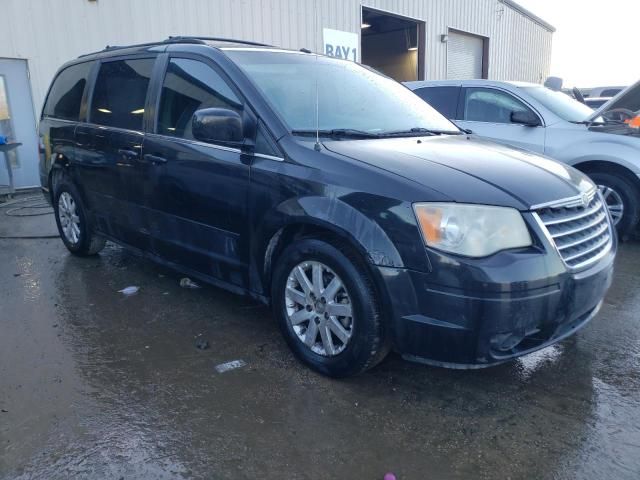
x=528 y=14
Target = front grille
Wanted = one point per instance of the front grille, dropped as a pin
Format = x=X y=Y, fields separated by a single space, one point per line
x=581 y=234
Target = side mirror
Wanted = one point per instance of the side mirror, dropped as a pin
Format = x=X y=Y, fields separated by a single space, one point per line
x=526 y=117
x=217 y=125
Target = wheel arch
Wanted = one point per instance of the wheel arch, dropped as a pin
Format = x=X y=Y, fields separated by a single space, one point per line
x=604 y=166
x=61 y=165
x=319 y=217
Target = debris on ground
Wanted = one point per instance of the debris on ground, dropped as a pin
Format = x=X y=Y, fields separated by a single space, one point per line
x=132 y=290
x=202 y=343
x=389 y=476
x=225 y=367
x=186 y=282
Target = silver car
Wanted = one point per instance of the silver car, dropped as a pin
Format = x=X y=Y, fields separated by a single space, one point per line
x=601 y=143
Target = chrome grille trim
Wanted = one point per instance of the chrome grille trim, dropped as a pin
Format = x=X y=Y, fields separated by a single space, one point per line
x=581 y=235
x=578 y=216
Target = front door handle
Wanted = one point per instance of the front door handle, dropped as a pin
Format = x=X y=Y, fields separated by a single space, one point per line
x=154 y=159
x=129 y=154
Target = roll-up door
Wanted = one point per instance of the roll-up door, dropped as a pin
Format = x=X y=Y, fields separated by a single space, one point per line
x=464 y=56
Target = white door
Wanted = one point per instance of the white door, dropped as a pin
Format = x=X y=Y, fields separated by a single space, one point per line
x=464 y=56
x=488 y=113
x=18 y=123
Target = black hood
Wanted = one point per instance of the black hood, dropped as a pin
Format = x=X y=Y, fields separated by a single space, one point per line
x=470 y=170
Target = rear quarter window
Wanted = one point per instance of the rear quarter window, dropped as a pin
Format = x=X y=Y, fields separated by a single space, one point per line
x=443 y=99
x=65 y=97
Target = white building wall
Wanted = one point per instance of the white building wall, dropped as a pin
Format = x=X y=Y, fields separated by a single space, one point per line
x=50 y=32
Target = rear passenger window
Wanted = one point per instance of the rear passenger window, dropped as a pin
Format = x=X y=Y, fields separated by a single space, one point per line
x=443 y=99
x=65 y=96
x=120 y=93
x=191 y=85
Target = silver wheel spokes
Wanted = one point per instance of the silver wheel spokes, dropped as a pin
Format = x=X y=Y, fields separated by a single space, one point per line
x=614 y=203
x=319 y=308
x=69 y=219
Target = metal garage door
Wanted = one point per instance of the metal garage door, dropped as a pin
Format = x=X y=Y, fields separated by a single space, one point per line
x=464 y=56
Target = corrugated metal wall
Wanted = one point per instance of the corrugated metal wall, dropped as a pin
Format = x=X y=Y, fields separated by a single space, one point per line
x=47 y=33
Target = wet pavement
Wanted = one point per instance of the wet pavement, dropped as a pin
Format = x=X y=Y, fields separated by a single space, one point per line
x=96 y=384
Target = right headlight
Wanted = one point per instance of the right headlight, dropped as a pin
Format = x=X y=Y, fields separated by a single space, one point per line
x=471 y=230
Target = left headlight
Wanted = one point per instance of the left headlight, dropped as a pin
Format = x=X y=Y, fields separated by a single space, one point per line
x=471 y=230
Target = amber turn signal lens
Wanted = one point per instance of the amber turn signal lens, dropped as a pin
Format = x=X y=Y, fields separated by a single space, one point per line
x=430 y=220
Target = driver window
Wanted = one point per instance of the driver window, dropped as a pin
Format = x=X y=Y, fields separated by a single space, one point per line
x=489 y=105
x=191 y=85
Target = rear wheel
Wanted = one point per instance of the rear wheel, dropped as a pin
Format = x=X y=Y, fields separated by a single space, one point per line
x=72 y=221
x=622 y=198
x=325 y=304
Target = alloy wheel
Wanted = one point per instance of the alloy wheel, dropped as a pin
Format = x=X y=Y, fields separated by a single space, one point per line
x=69 y=219
x=319 y=308
x=614 y=203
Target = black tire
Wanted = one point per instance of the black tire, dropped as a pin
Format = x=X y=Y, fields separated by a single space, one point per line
x=367 y=345
x=88 y=243
x=630 y=199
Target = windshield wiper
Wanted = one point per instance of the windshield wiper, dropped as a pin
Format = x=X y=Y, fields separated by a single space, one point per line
x=418 y=131
x=592 y=123
x=338 y=132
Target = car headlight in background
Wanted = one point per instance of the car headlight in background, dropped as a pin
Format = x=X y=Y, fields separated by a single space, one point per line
x=471 y=230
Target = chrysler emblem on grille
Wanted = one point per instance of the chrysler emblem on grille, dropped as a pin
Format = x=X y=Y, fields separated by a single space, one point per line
x=585 y=200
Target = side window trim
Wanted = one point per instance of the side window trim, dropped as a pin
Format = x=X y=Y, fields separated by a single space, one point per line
x=94 y=78
x=461 y=98
x=88 y=92
x=501 y=90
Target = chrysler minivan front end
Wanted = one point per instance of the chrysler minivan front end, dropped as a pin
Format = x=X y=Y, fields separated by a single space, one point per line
x=503 y=283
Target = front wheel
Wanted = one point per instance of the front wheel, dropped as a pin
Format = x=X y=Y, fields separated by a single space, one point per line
x=621 y=197
x=324 y=301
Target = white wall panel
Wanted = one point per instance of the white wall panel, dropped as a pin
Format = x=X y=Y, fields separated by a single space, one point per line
x=49 y=32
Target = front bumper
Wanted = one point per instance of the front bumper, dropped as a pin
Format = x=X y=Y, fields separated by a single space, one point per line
x=479 y=313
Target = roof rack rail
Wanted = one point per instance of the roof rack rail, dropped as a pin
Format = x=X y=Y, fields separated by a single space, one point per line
x=217 y=39
x=177 y=39
x=116 y=47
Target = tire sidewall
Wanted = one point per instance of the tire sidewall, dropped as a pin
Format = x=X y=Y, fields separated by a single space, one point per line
x=365 y=330
x=629 y=198
x=83 y=243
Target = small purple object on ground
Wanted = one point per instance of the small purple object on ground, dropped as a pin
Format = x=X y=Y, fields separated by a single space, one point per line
x=389 y=476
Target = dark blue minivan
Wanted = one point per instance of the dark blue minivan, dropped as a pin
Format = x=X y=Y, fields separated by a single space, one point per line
x=365 y=218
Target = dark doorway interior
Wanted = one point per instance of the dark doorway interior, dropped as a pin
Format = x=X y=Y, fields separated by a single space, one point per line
x=392 y=45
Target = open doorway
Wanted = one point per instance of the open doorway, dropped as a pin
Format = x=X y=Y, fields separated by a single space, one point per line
x=393 y=45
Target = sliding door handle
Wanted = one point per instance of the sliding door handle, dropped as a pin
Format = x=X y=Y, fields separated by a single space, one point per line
x=128 y=154
x=154 y=159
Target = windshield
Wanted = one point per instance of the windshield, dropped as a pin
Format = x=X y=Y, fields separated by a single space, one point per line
x=350 y=98
x=560 y=103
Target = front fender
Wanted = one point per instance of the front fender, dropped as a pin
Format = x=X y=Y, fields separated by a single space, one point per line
x=331 y=214
x=627 y=156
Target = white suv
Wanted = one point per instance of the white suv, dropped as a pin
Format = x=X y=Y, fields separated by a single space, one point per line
x=538 y=119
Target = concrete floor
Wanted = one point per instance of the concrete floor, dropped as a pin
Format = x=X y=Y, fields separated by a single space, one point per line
x=94 y=384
